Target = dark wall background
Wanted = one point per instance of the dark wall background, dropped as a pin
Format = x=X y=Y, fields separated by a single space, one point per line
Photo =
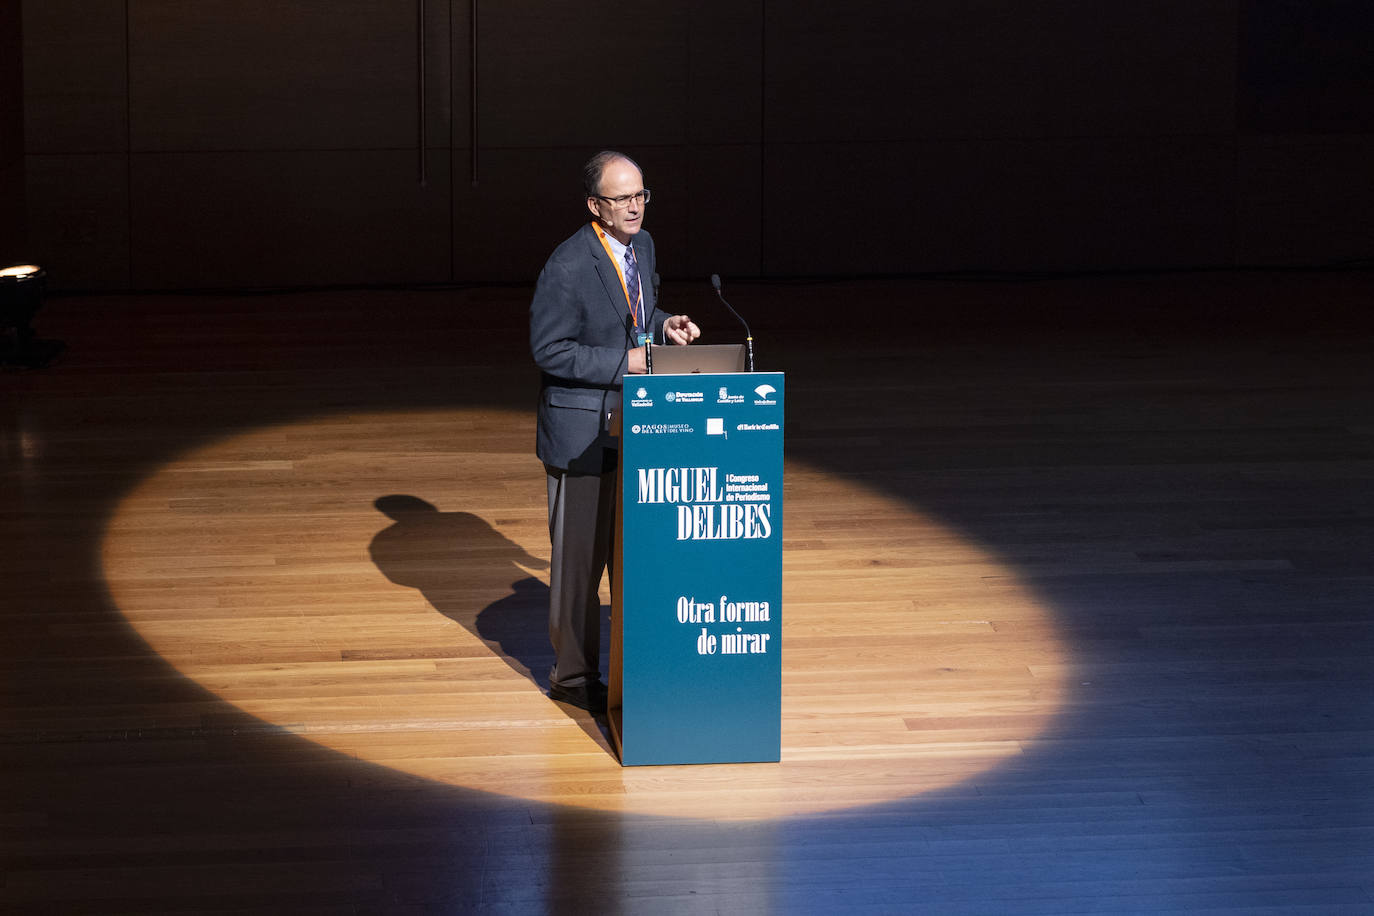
x=12 y=220
x=228 y=143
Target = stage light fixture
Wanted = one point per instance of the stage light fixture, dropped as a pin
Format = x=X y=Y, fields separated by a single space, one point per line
x=21 y=271
x=22 y=287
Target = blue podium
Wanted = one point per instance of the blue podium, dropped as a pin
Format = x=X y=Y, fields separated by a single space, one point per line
x=696 y=628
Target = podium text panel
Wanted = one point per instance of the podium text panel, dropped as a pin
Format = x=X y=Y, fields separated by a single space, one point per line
x=701 y=601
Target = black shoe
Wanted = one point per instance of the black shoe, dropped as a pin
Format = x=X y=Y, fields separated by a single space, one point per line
x=590 y=696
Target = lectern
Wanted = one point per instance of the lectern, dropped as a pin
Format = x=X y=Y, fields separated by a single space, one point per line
x=696 y=628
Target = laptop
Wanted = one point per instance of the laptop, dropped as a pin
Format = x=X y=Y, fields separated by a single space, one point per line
x=689 y=360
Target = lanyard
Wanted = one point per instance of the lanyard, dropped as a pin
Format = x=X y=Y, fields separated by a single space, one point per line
x=639 y=318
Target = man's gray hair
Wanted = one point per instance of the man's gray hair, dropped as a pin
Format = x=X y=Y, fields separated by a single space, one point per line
x=591 y=172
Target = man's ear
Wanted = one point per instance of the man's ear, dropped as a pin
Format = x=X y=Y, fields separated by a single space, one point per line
x=593 y=205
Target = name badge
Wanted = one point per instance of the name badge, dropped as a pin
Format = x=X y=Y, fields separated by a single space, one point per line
x=645 y=339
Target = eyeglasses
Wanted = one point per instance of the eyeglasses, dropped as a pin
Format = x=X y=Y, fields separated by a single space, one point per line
x=623 y=201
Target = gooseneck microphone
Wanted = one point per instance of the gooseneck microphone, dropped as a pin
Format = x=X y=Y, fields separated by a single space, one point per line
x=648 y=319
x=748 y=334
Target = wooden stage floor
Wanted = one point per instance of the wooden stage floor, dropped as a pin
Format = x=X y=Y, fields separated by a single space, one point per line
x=1078 y=611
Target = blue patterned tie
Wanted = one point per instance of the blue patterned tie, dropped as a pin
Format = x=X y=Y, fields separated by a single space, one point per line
x=632 y=287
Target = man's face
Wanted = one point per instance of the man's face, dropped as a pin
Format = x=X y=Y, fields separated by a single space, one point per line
x=619 y=179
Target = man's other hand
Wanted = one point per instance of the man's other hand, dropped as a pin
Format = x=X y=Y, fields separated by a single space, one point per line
x=681 y=330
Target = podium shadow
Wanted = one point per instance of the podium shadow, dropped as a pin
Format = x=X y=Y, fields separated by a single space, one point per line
x=457 y=560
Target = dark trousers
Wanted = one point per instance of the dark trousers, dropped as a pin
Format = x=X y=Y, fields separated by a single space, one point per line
x=581 y=526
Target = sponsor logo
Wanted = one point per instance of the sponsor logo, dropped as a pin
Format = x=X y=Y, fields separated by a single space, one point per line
x=662 y=429
x=752 y=427
x=715 y=426
x=642 y=394
x=725 y=397
x=686 y=397
x=765 y=396
x=670 y=396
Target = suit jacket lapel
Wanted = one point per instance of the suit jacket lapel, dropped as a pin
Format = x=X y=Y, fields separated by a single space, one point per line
x=610 y=279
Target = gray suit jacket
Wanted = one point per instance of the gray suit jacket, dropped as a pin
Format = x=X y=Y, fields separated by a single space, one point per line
x=579 y=339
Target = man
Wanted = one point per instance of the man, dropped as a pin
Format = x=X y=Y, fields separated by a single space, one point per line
x=594 y=310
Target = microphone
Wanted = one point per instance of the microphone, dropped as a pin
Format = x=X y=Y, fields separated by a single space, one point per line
x=748 y=334
x=649 y=347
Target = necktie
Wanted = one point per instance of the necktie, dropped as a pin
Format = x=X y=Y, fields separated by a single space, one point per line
x=632 y=287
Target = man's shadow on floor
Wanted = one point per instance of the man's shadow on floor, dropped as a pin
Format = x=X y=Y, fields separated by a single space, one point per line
x=457 y=561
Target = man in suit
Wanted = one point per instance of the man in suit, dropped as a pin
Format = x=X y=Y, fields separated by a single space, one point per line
x=593 y=313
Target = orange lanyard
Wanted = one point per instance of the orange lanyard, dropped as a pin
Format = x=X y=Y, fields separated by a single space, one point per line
x=619 y=272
